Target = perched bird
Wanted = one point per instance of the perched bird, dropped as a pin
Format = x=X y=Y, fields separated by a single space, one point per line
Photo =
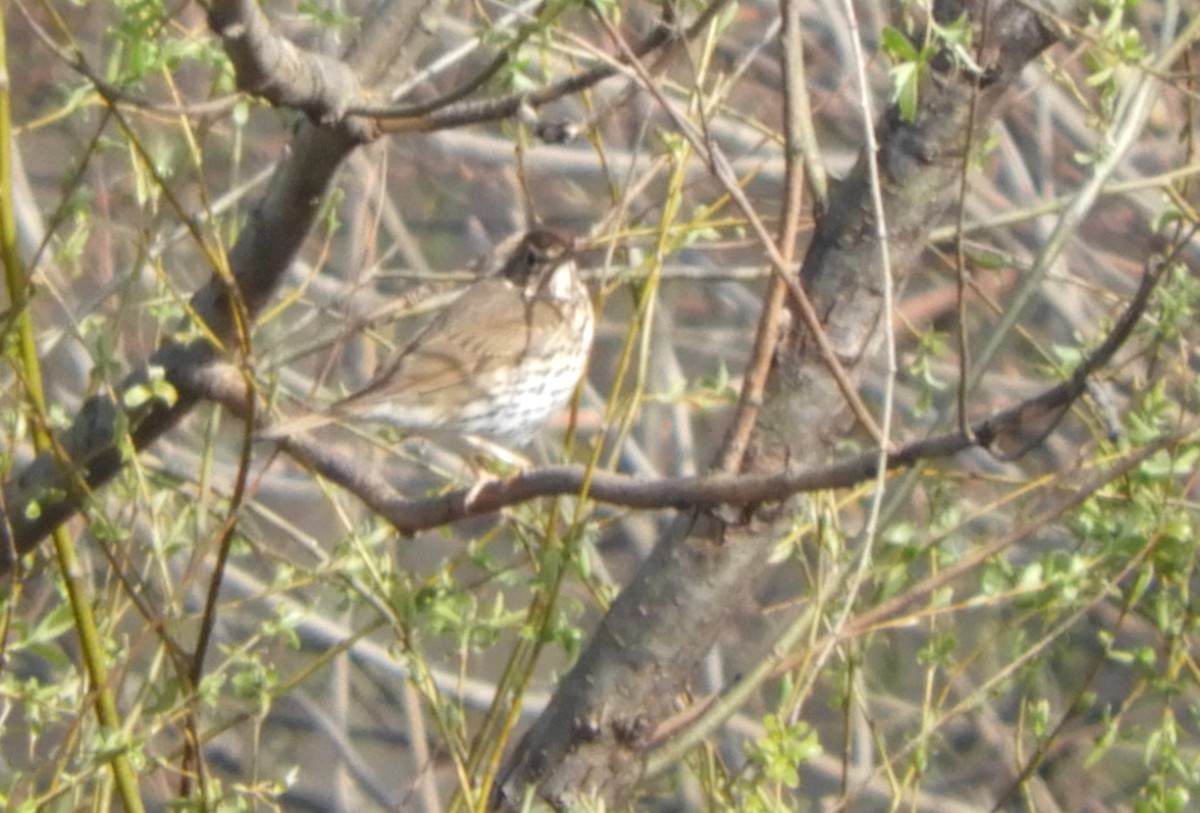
x=499 y=362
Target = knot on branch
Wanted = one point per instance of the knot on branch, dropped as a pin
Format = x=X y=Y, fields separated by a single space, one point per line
x=268 y=65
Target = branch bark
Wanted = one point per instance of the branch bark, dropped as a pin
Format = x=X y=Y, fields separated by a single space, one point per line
x=1006 y=434
x=269 y=66
x=92 y=451
x=590 y=740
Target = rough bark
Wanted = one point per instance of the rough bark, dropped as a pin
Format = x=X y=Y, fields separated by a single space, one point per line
x=590 y=741
x=92 y=451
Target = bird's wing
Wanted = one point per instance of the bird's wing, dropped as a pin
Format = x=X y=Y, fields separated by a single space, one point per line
x=486 y=328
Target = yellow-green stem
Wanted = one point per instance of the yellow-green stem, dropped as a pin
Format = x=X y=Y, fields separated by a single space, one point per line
x=18 y=293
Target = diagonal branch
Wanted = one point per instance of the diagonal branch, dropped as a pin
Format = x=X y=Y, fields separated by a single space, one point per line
x=93 y=449
x=590 y=741
x=1007 y=433
x=416 y=119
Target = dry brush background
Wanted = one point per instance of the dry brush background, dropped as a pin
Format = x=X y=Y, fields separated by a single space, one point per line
x=1007 y=621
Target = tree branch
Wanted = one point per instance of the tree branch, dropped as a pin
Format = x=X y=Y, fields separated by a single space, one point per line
x=268 y=65
x=416 y=119
x=589 y=742
x=93 y=450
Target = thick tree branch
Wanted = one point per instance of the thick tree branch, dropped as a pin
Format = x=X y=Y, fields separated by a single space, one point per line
x=268 y=65
x=589 y=742
x=92 y=450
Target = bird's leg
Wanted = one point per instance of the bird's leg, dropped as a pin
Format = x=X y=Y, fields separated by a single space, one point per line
x=483 y=463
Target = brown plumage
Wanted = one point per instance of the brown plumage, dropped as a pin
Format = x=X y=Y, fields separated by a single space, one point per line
x=497 y=363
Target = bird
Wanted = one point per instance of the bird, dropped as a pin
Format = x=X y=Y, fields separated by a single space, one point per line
x=495 y=365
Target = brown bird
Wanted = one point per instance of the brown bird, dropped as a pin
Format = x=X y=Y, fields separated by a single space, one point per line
x=496 y=364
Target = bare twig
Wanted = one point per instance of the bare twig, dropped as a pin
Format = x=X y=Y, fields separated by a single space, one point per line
x=663 y=37
x=770 y=324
